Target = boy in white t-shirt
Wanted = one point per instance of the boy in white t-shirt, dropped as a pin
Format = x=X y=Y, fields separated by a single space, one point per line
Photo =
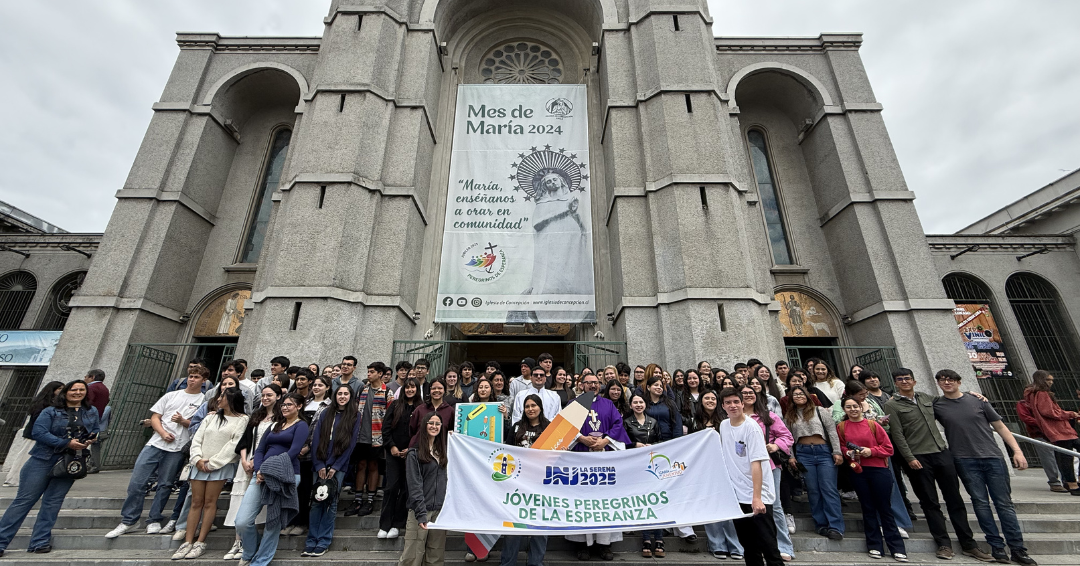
x=164 y=453
x=743 y=446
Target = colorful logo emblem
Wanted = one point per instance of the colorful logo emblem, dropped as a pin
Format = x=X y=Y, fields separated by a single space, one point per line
x=663 y=468
x=483 y=264
x=504 y=466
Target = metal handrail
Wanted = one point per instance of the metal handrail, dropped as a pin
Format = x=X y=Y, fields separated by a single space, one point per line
x=1072 y=453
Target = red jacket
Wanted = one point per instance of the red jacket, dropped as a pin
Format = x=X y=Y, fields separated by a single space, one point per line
x=867 y=435
x=98 y=396
x=1054 y=422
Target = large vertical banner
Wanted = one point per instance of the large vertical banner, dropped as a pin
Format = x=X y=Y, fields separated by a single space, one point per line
x=982 y=339
x=517 y=246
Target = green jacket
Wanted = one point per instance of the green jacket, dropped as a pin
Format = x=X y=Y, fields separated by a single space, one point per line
x=913 y=429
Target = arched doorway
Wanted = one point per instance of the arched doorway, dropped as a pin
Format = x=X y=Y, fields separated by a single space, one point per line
x=810 y=327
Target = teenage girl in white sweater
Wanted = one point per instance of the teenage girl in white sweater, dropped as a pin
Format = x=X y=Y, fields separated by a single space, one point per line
x=213 y=461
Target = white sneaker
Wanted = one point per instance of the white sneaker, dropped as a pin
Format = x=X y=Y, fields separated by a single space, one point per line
x=182 y=551
x=153 y=528
x=903 y=533
x=168 y=528
x=213 y=528
x=382 y=534
x=119 y=530
x=392 y=533
x=790 y=524
x=235 y=551
x=196 y=551
x=180 y=534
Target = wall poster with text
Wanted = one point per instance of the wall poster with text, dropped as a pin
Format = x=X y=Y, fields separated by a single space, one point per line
x=517 y=245
x=982 y=339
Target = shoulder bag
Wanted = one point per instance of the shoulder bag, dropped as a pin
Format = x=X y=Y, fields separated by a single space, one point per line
x=74 y=463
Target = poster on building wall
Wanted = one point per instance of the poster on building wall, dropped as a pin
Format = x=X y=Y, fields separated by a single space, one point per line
x=28 y=347
x=517 y=244
x=982 y=340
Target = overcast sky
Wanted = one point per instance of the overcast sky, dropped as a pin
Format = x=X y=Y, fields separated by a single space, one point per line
x=981 y=97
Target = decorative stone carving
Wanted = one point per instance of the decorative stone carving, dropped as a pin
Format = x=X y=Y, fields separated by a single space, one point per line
x=521 y=62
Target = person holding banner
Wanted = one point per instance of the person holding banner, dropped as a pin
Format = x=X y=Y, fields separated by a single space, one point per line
x=743 y=448
x=526 y=431
x=425 y=471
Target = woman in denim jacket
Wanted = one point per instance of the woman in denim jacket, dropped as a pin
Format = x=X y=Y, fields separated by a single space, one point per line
x=55 y=432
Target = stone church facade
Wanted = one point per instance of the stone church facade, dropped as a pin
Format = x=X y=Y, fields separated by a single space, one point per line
x=305 y=180
x=290 y=193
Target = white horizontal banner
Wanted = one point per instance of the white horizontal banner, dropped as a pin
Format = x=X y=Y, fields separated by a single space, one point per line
x=501 y=489
x=28 y=347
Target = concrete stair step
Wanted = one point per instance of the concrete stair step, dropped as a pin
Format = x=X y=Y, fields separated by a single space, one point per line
x=390 y=558
x=221 y=540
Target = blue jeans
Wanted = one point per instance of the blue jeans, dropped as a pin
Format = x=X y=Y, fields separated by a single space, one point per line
x=180 y=510
x=181 y=520
x=986 y=478
x=783 y=538
x=723 y=538
x=821 y=485
x=151 y=460
x=652 y=535
x=896 y=505
x=35 y=483
x=511 y=545
x=321 y=519
x=257 y=552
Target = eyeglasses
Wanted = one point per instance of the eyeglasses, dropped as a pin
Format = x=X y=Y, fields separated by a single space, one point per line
x=289 y=405
x=948 y=378
x=539 y=374
x=748 y=394
x=590 y=383
x=904 y=378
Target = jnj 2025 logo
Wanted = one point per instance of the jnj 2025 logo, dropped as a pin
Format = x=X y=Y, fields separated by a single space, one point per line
x=573 y=475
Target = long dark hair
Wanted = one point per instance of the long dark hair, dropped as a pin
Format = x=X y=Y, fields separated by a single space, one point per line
x=234 y=398
x=475 y=397
x=770 y=384
x=343 y=430
x=298 y=400
x=274 y=411
x=664 y=399
x=212 y=404
x=795 y=412
x=622 y=404
x=706 y=420
x=438 y=443
x=523 y=426
x=45 y=398
x=400 y=401
x=761 y=408
x=60 y=402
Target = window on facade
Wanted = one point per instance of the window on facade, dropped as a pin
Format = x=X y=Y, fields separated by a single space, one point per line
x=1042 y=320
x=59 y=307
x=770 y=202
x=16 y=291
x=521 y=63
x=271 y=177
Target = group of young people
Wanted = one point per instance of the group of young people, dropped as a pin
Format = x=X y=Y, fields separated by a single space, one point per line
x=287 y=443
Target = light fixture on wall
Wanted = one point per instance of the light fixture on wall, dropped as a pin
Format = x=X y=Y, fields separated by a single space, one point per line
x=416 y=315
x=845 y=319
x=973 y=248
x=611 y=317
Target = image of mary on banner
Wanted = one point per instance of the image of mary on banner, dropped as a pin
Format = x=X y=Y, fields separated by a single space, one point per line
x=562 y=258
